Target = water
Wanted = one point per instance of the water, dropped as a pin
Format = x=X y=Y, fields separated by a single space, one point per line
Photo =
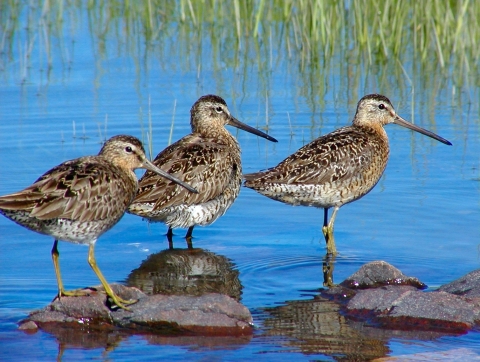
x=423 y=216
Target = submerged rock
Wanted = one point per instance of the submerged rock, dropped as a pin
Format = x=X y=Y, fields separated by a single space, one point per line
x=209 y=314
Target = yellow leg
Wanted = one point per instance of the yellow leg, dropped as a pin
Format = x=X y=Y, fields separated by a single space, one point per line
x=328 y=266
x=325 y=224
x=56 y=265
x=327 y=230
x=93 y=264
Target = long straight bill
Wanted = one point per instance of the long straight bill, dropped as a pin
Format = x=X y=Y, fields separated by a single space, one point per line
x=401 y=122
x=236 y=123
x=150 y=166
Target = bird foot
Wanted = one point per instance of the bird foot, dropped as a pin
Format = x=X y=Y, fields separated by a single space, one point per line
x=122 y=303
x=73 y=293
x=115 y=299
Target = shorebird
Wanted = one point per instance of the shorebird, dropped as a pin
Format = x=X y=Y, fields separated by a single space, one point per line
x=79 y=200
x=337 y=168
x=208 y=159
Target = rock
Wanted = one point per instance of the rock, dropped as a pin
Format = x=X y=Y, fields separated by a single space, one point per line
x=378 y=300
x=468 y=285
x=379 y=273
x=211 y=314
x=382 y=295
x=29 y=326
x=406 y=308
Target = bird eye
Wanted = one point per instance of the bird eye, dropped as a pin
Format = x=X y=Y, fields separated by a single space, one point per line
x=219 y=109
x=128 y=149
x=381 y=106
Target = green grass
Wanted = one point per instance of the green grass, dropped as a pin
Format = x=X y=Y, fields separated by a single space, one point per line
x=432 y=38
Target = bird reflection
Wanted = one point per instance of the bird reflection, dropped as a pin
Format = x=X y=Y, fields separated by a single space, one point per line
x=316 y=326
x=187 y=272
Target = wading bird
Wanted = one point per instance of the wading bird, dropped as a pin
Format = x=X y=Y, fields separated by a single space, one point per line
x=337 y=168
x=79 y=200
x=208 y=159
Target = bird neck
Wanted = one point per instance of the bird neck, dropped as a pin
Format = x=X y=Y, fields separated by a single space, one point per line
x=375 y=129
x=218 y=134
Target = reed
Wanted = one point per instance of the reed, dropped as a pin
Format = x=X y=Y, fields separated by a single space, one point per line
x=170 y=136
x=432 y=40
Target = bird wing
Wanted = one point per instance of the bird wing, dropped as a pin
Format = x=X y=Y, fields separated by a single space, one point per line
x=329 y=158
x=204 y=164
x=82 y=189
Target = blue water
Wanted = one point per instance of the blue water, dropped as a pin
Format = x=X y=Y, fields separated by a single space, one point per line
x=423 y=216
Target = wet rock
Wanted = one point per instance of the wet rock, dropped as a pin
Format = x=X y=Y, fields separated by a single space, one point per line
x=468 y=285
x=382 y=295
x=212 y=314
x=378 y=300
x=344 y=322
x=379 y=273
x=338 y=294
x=405 y=307
x=29 y=326
x=208 y=313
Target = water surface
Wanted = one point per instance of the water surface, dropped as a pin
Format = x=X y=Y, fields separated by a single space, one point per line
x=423 y=216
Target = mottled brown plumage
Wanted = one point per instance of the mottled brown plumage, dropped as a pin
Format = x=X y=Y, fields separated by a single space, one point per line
x=208 y=159
x=79 y=200
x=336 y=168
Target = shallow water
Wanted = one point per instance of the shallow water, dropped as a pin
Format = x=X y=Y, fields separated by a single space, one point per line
x=423 y=216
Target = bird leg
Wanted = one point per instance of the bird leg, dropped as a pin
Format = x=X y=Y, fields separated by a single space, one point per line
x=325 y=223
x=188 y=237
x=61 y=291
x=93 y=264
x=327 y=230
x=170 y=238
x=328 y=265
